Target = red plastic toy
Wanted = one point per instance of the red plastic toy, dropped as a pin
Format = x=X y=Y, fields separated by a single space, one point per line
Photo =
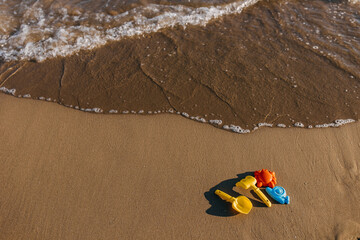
x=265 y=178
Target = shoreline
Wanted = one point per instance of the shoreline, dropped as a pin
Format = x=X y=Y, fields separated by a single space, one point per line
x=70 y=175
x=215 y=123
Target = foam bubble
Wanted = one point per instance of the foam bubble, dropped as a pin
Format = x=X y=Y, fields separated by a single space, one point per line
x=96 y=110
x=200 y=119
x=8 y=91
x=215 y=121
x=265 y=124
x=236 y=129
x=299 y=124
x=185 y=114
x=336 y=123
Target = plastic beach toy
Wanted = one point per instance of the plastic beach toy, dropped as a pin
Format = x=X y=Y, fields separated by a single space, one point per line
x=265 y=178
x=249 y=182
x=241 y=204
x=279 y=194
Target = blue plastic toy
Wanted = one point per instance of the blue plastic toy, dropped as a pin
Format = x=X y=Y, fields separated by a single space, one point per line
x=279 y=194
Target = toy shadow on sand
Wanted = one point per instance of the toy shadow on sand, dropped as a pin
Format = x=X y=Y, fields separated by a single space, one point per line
x=223 y=209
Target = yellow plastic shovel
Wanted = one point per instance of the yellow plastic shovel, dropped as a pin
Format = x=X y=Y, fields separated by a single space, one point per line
x=241 y=204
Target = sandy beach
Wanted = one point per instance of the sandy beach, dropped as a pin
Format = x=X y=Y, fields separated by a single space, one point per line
x=120 y=119
x=67 y=174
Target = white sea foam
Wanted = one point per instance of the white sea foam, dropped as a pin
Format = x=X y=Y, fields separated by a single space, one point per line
x=44 y=34
x=8 y=91
x=265 y=124
x=185 y=114
x=96 y=110
x=216 y=121
x=200 y=119
x=299 y=124
x=336 y=123
x=236 y=129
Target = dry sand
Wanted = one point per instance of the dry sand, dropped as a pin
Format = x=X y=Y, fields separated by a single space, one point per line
x=65 y=174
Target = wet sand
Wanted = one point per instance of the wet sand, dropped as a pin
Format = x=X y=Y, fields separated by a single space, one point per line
x=67 y=174
x=243 y=69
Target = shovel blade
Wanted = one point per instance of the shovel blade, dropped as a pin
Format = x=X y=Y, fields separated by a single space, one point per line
x=242 y=204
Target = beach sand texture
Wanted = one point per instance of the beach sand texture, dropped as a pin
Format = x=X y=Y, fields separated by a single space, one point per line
x=67 y=174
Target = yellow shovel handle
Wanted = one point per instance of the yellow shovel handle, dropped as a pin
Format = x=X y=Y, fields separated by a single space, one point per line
x=262 y=196
x=224 y=196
